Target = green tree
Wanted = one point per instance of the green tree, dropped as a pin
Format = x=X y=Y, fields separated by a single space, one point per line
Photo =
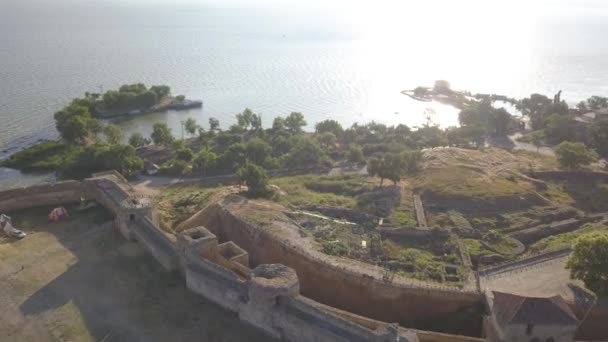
x=113 y=134
x=331 y=126
x=234 y=157
x=355 y=154
x=431 y=136
x=539 y=107
x=75 y=129
x=278 y=124
x=190 y=126
x=255 y=178
x=161 y=134
x=258 y=151
x=214 y=124
x=328 y=139
x=95 y=127
x=295 y=122
x=137 y=140
x=161 y=91
x=306 y=154
x=572 y=155
x=103 y=157
x=73 y=123
x=589 y=262
x=184 y=154
x=599 y=137
x=204 y=161
x=560 y=128
x=146 y=99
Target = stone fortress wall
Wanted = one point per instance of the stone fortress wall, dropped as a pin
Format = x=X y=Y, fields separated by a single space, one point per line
x=269 y=296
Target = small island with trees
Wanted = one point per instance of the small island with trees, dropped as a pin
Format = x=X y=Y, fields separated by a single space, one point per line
x=134 y=99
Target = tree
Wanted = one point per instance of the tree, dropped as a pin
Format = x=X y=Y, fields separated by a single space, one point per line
x=146 y=99
x=431 y=136
x=95 y=127
x=248 y=119
x=161 y=134
x=572 y=155
x=234 y=157
x=204 y=160
x=257 y=151
x=500 y=122
x=113 y=134
x=295 y=122
x=161 y=91
x=327 y=139
x=184 y=154
x=560 y=128
x=190 y=126
x=331 y=126
x=474 y=134
x=255 y=178
x=355 y=154
x=278 y=124
x=306 y=153
x=102 y=157
x=589 y=262
x=389 y=166
x=137 y=140
x=393 y=166
x=597 y=102
x=75 y=129
x=539 y=107
x=214 y=124
x=599 y=137
x=73 y=123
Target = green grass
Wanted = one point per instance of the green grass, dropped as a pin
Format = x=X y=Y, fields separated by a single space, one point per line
x=467 y=182
x=177 y=203
x=404 y=216
x=564 y=240
x=557 y=194
x=315 y=190
x=475 y=248
x=414 y=262
x=47 y=156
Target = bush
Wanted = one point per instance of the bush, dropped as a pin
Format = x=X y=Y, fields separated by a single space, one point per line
x=336 y=248
x=255 y=178
x=572 y=155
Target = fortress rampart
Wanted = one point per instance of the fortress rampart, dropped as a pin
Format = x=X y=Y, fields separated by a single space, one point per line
x=270 y=285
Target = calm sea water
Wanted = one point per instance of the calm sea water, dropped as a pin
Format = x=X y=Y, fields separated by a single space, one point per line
x=343 y=61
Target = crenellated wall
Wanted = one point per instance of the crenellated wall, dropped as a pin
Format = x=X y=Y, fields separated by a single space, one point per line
x=269 y=296
x=42 y=195
x=331 y=284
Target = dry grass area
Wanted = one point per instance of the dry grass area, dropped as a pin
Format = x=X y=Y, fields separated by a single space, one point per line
x=482 y=174
x=80 y=280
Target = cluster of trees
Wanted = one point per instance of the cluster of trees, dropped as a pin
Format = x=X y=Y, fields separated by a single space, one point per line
x=248 y=149
x=134 y=96
x=101 y=144
x=555 y=123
